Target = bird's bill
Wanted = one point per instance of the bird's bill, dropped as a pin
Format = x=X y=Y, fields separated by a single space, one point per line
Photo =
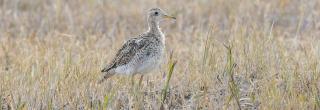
x=170 y=17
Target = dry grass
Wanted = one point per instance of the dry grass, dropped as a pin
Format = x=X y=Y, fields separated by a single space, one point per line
x=52 y=52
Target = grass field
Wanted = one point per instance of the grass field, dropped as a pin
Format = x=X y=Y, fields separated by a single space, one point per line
x=231 y=54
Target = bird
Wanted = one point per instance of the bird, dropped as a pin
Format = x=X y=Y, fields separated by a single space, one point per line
x=141 y=54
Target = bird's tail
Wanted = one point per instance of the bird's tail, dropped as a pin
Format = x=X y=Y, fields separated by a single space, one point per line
x=105 y=76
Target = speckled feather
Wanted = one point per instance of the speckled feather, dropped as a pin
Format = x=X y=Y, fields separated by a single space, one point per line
x=142 y=54
x=135 y=46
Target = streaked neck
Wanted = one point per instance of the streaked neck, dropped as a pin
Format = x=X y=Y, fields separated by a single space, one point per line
x=153 y=26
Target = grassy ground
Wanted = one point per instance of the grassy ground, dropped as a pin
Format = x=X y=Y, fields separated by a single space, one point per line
x=248 y=54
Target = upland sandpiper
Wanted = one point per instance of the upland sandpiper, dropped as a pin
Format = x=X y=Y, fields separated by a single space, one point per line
x=142 y=54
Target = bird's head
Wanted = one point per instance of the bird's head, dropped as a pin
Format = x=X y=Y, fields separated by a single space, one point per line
x=156 y=14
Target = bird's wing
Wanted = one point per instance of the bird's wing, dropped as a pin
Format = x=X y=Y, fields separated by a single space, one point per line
x=123 y=56
x=126 y=53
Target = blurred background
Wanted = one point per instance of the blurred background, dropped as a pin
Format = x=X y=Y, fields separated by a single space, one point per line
x=52 y=52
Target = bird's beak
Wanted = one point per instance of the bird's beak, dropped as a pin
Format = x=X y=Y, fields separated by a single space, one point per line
x=170 y=17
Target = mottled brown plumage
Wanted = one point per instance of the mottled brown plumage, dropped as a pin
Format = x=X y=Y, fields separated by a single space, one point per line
x=141 y=54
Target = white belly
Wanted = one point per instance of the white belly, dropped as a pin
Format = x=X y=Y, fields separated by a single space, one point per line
x=143 y=66
x=125 y=69
x=148 y=65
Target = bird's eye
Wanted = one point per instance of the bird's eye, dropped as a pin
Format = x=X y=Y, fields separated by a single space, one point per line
x=156 y=13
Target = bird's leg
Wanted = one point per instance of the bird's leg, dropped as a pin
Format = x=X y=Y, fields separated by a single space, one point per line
x=140 y=81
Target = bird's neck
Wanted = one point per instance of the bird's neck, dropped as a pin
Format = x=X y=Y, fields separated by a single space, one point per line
x=153 y=26
x=155 y=31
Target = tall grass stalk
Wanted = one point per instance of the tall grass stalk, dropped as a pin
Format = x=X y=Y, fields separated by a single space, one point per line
x=233 y=87
x=164 y=93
